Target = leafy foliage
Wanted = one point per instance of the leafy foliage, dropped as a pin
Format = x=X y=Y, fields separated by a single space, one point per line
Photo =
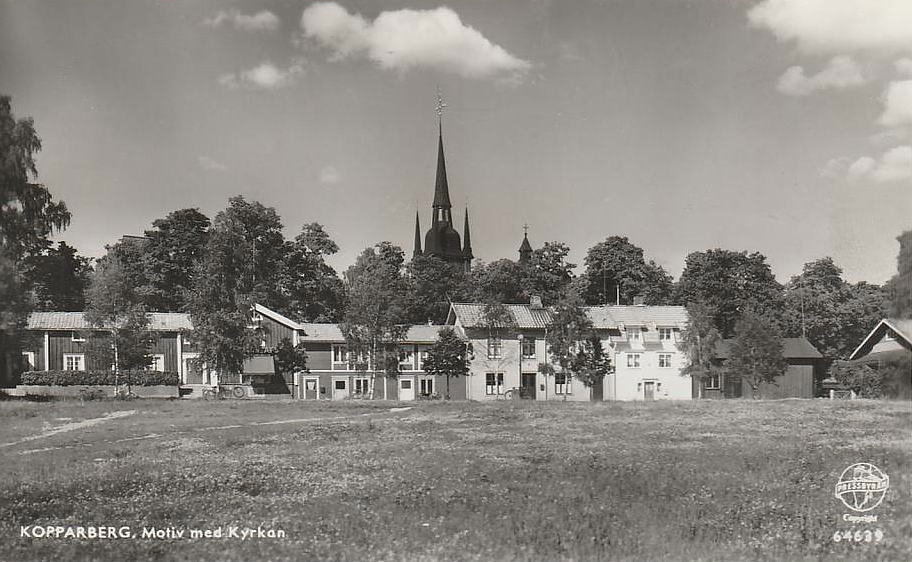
x=448 y=357
x=112 y=304
x=98 y=377
x=617 y=262
x=431 y=284
x=730 y=283
x=290 y=358
x=590 y=362
x=755 y=355
x=498 y=281
x=59 y=278
x=312 y=288
x=699 y=343
x=833 y=314
x=172 y=251
x=899 y=287
x=572 y=327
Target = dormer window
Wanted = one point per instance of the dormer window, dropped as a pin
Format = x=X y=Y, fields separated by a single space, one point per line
x=666 y=334
x=633 y=334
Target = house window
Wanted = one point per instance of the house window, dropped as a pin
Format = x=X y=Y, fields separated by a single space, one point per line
x=493 y=383
x=339 y=354
x=77 y=337
x=634 y=334
x=666 y=334
x=495 y=347
x=158 y=363
x=362 y=386
x=28 y=361
x=422 y=356
x=343 y=360
x=562 y=384
x=664 y=360
x=633 y=360
x=74 y=362
x=427 y=386
x=713 y=382
x=406 y=359
x=528 y=348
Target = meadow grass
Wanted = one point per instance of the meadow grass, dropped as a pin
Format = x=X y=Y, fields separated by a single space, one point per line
x=516 y=481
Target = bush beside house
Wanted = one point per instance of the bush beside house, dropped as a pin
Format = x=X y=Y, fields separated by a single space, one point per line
x=101 y=378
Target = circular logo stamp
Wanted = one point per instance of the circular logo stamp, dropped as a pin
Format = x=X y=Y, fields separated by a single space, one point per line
x=862 y=486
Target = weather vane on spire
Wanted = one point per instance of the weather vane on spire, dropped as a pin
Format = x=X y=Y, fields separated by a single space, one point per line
x=526 y=229
x=440 y=107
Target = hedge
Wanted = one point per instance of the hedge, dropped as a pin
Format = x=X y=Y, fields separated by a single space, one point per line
x=75 y=378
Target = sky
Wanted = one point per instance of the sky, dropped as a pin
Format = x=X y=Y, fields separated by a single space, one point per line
x=778 y=126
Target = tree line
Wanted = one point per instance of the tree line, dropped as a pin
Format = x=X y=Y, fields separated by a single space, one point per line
x=216 y=269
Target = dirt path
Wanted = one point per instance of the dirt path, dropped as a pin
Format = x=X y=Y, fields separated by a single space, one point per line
x=94 y=421
x=72 y=427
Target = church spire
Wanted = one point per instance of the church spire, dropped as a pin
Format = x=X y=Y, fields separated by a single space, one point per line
x=525 y=249
x=417 y=251
x=466 y=239
x=441 y=189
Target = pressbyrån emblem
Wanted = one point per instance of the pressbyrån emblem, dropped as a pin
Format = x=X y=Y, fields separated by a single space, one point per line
x=862 y=486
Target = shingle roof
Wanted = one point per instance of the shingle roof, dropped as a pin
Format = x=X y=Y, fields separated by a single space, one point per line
x=419 y=333
x=471 y=315
x=792 y=348
x=159 y=321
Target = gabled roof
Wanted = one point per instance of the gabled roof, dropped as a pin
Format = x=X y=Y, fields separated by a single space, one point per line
x=614 y=316
x=419 y=333
x=901 y=328
x=471 y=315
x=792 y=348
x=158 y=321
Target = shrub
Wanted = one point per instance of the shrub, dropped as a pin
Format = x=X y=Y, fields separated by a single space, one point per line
x=76 y=378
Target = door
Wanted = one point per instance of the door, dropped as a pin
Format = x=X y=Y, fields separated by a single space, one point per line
x=527 y=386
x=406 y=389
x=649 y=390
x=193 y=371
x=310 y=389
x=340 y=389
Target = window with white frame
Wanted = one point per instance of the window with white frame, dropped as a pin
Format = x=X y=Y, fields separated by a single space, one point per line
x=426 y=386
x=28 y=361
x=362 y=386
x=495 y=346
x=406 y=359
x=422 y=356
x=633 y=334
x=528 y=348
x=493 y=383
x=158 y=363
x=666 y=334
x=345 y=360
x=713 y=382
x=339 y=354
x=74 y=361
x=562 y=384
x=77 y=337
x=664 y=360
x=633 y=360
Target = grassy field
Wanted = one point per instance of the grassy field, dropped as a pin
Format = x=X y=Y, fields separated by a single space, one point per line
x=712 y=480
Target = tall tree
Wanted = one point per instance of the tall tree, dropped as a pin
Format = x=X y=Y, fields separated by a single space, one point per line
x=113 y=305
x=432 y=284
x=700 y=342
x=617 y=265
x=373 y=323
x=571 y=327
x=314 y=291
x=225 y=290
x=755 y=353
x=498 y=281
x=833 y=314
x=729 y=283
x=448 y=357
x=173 y=248
x=591 y=363
x=548 y=272
x=28 y=217
x=899 y=288
x=59 y=278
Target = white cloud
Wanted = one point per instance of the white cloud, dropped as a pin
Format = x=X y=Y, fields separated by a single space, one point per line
x=260 y=21
x=330 y=175
x=903 y=67
x=897 y=104
x=835 y=27
x=263 y=76
x=210 y=164
x=404 y=39
x=893 y=165
x=841 y=72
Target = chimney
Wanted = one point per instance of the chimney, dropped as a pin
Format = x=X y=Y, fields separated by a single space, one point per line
x=535 y=302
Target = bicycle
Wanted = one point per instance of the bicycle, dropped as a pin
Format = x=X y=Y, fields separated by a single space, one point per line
x=510 y=394
x=219 y=392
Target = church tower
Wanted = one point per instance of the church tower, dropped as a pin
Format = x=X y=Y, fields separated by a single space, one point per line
x=442 y=240
x=525 y=249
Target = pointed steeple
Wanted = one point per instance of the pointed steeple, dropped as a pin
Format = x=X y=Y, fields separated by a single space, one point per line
x=417 y=251
x=525 y=249
x=441 y=190
x=466 y=239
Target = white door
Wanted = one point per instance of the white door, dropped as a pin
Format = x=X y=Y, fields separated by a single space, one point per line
x=340 y=389
x=310 y=388
x=407 y=389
